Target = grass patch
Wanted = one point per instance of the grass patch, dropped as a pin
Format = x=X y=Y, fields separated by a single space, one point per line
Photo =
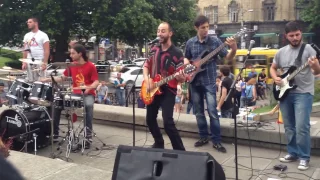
x=3 y=61
x=263 y=109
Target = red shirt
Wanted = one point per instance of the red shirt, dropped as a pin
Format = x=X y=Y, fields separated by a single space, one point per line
x=165 y=63
x=83 y=75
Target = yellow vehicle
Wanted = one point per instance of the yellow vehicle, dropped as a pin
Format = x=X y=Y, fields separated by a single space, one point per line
x=259 y=58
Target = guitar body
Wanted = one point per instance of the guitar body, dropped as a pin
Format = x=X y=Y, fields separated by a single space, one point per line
x=196 y=63
x=280 y=92
x=148 y=96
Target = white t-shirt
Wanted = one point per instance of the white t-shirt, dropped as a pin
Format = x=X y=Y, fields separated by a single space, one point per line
x=35 y=42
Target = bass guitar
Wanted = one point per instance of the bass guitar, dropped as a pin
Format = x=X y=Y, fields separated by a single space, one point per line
x=206 y=56
x=147 y=96
x=281 y=91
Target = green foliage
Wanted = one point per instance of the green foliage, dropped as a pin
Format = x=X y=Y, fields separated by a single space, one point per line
x=128 y=20
x=310 y=12
x=10 y=54
x=316 y=97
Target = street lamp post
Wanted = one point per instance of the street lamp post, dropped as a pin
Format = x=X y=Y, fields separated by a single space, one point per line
x=243 y=42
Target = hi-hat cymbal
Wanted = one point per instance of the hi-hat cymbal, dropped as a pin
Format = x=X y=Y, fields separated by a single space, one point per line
x=65 y=64
x=30 y=61
x=6 y=79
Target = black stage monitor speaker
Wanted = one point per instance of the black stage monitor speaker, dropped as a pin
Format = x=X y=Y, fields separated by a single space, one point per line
x=137 y=163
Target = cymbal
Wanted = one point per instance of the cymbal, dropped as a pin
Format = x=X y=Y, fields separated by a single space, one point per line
x=29 y=61
x=65 y=64
x=6 y=79
x=9 y=69
x=82 y=88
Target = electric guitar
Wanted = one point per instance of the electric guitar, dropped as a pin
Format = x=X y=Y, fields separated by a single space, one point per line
x=281 y=91
x=147 y=96
x=206 y=56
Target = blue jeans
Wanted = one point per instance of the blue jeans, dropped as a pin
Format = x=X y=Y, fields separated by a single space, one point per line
x=296 y=109
x=226 y=113
x=189 y=107
x=100 y=100
x=198 y=92
x=120 y=96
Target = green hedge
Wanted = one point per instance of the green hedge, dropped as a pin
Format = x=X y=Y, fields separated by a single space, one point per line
x=10 y=54
x=316 y=97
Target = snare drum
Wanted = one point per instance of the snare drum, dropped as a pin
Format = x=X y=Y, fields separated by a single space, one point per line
x=73 y=101
x=41 y=94
x=19 y=89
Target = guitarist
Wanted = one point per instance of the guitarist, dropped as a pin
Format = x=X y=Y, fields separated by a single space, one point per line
x=296 y=107
x=167 y=59
x=204 y=83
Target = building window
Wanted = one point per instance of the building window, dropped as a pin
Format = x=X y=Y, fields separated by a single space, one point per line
x=269 y=7
x=212 y=14
x=233 y=11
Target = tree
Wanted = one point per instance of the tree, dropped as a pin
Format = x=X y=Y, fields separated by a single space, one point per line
x=310 y=12
x=180 y=14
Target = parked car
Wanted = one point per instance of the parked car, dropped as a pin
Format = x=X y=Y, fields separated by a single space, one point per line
x=129 y=74
x=103 y=66
x=139 y=61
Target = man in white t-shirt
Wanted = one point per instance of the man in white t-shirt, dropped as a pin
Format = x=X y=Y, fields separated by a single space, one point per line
x=38 y=43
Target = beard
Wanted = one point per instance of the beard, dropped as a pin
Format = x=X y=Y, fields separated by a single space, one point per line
x=296 y=43
x=165 y=40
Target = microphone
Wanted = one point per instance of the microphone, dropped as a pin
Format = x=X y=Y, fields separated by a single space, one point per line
x=156 y=40
x=316 y=48
x=68 y=61
x=252 y=42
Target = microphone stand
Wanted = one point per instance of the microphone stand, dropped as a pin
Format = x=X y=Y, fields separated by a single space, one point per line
x=133 y=91
x=230 y=94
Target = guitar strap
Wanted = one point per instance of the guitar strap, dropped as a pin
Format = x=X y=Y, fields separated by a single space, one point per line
x=298 y=59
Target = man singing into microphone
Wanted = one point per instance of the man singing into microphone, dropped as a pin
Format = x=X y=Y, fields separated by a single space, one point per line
x=37 y=46
x=84 y=74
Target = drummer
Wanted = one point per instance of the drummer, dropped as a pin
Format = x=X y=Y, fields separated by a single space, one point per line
x=36 y=44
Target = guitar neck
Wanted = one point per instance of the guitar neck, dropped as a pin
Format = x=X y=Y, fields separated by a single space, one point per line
x=292 y=75
x=164 y=80
x=210 y=55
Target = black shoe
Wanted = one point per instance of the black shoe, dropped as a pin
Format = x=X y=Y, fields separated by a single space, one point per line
x=219 y=147
x=201 y=142
x=158 y=145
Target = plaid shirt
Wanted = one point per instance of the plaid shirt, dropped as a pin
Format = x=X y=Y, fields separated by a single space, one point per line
x=193 y=50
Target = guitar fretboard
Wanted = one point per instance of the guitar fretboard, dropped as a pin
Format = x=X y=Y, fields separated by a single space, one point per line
x=210 y=55
x=292 y=75
x=164 y=81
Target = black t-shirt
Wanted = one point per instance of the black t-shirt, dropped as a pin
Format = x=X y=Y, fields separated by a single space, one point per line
x=262 y=76
x=226 y=82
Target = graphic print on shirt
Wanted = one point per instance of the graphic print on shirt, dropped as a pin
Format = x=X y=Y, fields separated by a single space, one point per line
x=79 y=79
x=33 y=42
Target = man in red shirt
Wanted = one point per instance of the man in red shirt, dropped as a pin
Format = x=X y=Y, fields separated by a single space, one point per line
x=83 y=75
x=167 y=60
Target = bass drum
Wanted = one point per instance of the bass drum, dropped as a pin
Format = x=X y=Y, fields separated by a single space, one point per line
x=19 y=126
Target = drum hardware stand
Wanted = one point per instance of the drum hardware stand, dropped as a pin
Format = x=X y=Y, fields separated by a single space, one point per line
x=35 y=143
x=85 y=128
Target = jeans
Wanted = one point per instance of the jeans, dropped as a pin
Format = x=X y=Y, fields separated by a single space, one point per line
x=189 y=107
x=226 y=113
x=296 y=109
x=120 y=93
x=100 y=100
x=88 y=105
x=209 y=91
x=166 y=101
x=244 y=101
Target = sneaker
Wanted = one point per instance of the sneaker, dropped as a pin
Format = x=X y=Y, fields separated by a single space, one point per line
x=158 y=145
x=201 y=142
x=303 y=165
x=219 y=147
x=288 y=158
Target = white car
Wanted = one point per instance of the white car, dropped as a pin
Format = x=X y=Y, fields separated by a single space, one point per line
x=129 y=74
x=139 y=61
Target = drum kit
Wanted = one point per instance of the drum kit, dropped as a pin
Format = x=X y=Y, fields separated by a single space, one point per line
x=28 y=121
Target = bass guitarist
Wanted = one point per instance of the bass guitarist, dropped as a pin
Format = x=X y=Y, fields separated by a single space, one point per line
x=167 y=60
x=204 y=84
x=297 y=105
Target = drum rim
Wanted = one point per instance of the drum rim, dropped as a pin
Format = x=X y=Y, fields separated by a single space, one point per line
x=26 y=121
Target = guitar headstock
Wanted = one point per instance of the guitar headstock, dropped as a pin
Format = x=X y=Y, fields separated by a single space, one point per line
x=240 y=33
x=189 y=69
